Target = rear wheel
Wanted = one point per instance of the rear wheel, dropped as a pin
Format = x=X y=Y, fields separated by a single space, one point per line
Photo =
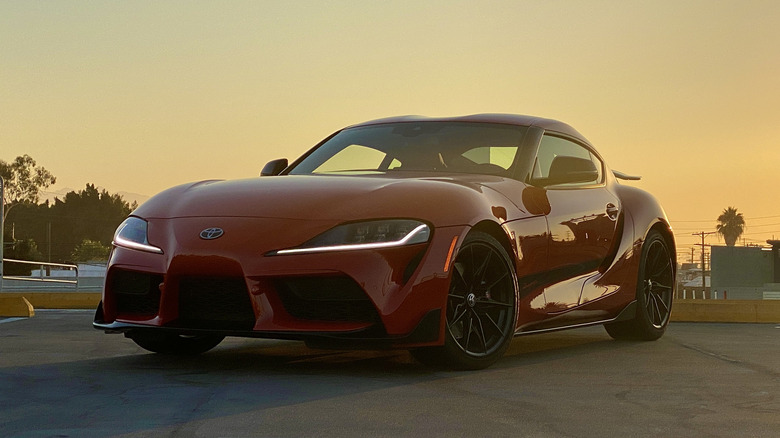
x=174 y=343
x=655 y=287
x=481 y=307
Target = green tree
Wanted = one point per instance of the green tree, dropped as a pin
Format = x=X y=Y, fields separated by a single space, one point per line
x=89 y=214
x=23 y=182
x=90 y=251
x=731 y=225
x=25 y=249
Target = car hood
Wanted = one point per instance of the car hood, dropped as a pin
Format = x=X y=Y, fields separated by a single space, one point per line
x=440 y=199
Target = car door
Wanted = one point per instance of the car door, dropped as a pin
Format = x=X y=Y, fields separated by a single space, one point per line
x=582 y=218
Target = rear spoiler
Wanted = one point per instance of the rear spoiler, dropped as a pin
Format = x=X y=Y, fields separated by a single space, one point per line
x=625 y=176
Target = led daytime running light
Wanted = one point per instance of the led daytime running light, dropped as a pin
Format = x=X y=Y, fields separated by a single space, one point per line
x=356 y=246
x=132 y=234
x=119 y=241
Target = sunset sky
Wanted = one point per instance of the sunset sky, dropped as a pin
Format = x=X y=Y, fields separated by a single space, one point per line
x=139 y=96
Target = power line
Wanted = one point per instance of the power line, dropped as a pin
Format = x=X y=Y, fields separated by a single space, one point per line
x=712 y=220
x=760 y=232
x=763 y=217
x=685 y=230
x=764 y=225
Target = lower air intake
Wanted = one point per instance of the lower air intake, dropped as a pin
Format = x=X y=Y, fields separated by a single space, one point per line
x=326 y=299
x=215 y=302
x=136 y=293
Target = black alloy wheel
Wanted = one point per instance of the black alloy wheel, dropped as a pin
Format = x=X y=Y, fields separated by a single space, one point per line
x=655 y=288
x=481 y=306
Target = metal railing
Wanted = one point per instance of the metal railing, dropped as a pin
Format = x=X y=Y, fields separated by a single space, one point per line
x=692 y=293
x=41 y=278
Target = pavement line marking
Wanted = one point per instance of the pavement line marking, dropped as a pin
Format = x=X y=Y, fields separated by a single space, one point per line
x=65 y=310
x=11 y=320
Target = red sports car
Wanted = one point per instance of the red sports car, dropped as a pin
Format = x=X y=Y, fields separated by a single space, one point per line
x=444 y=236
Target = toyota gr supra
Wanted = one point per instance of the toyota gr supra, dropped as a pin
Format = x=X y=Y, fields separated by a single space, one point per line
x=443 y=236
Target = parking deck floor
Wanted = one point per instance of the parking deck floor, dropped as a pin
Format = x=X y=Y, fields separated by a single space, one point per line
x=60 y=377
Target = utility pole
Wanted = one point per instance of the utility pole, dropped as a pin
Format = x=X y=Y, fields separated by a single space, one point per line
x=692 y=251
x=702 y=234
x=48 y=242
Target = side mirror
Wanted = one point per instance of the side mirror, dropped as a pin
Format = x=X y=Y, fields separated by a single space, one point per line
x=274 y=167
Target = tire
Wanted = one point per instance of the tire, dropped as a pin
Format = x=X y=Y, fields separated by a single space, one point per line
x=481 y=307
x=174 y=343
x=655 y=287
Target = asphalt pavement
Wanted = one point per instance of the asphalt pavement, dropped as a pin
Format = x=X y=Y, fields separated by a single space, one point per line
x=59 y=377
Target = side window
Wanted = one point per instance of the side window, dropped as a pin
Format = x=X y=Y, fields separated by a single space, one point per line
x=564 y=163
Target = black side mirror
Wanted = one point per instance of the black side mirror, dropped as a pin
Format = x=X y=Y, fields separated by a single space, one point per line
x=274 y=167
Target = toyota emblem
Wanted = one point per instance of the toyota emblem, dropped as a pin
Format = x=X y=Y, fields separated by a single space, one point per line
x=211 y=233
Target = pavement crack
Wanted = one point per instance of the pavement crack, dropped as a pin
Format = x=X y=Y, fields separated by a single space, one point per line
x=751 y=366
x=712 y=354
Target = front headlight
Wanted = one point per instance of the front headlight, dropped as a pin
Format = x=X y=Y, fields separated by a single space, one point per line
x=365 y=235
x=132 y=234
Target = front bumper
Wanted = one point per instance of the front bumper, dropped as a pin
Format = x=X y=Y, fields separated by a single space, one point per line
x=366 y=298
x=425 y=333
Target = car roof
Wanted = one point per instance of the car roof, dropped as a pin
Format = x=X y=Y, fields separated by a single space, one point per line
x=508 y=119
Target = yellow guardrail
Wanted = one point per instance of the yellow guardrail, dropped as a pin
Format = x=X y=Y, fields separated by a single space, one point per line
x=762 y=311
x=57 y=300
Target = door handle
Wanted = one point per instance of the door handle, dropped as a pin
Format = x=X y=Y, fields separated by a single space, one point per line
x=612 y=211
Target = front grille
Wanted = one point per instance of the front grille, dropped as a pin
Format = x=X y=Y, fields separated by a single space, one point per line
x=136 y=293
x=326 y=299
x=215 y=302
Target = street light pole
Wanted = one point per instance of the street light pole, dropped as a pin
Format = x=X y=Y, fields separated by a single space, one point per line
x=2 y=228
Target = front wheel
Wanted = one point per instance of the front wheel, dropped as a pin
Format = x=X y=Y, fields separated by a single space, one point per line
x=481 y=307
x=174 y=343
x=655 y=287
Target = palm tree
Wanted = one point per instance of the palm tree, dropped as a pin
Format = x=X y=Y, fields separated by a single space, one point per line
x=731 y=225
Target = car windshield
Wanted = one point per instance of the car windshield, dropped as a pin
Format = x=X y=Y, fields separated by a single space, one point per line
x=481 y=148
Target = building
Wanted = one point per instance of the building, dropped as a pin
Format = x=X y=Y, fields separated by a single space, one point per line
x=745 y=273
x=689 y=282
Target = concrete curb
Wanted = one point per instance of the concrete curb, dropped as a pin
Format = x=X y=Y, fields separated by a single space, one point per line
x=16 y=307
x=763 y=311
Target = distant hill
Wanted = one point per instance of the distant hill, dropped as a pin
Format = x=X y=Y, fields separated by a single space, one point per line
x=137 y=197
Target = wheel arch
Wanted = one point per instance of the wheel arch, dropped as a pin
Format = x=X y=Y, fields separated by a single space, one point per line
x=666 y=232
x=495 y=230
x=646 y=213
